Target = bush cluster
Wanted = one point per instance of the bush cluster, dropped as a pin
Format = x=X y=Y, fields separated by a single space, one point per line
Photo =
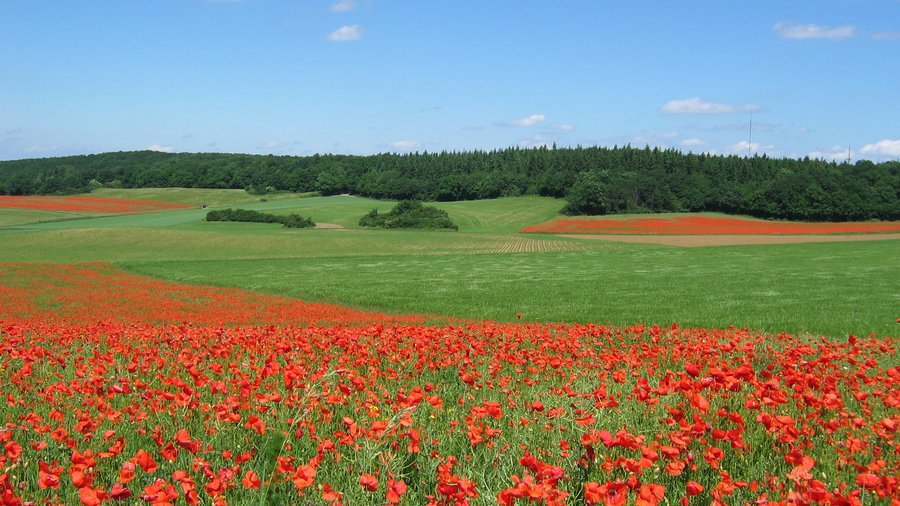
x=410 y=214
x=247 y=215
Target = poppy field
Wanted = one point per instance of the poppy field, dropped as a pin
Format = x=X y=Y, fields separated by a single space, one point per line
x=86 y=204
x=173 y=406
x=729 y=376
x=703 y=225
x=87 y=293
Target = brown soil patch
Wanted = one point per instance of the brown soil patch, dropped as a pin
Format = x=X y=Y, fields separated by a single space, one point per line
x=695 y=241
x=329 y=226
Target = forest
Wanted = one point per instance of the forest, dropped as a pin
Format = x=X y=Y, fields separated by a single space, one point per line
x=594 y=180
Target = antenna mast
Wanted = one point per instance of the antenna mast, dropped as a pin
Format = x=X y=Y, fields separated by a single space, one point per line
x=750 y=136
x=848 y=155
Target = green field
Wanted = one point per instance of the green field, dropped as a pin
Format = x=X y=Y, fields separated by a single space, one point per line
x=194 y=196
x=486 y=270
x=11 y=217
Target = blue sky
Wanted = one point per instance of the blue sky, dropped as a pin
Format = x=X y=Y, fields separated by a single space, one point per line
x=818 y=77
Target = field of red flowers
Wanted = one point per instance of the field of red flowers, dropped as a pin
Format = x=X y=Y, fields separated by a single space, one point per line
x=136 y=406
x=89 y=293
x=86 y=204
x=704 y=225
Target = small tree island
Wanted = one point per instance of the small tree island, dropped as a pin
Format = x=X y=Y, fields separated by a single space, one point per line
x=410 y=214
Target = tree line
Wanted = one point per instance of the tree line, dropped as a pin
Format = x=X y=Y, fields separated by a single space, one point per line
x=594 y=179
x=251 y=216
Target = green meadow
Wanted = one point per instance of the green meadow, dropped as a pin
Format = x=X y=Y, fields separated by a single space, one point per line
x=486 y=270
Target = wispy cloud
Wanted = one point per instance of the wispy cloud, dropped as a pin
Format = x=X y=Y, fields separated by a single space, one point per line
x=162 y=149
x=532 y=120
x=275 y=146
x=758 y=126
x=537 y=141
x=405 y=145
x=15 y=144
x=743 y=147
x=813 y=31
x=693 y=142
x=887 y=148
x=562 y=127
x=346 y=34
x=886 y=35
x=697 y=106
x=343 y=6
x=833 y=153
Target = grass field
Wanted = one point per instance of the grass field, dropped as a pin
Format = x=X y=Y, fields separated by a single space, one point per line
x=10 y=217
x=120 y=388
x=834 y=289
x=193 y=196
x=485 y=270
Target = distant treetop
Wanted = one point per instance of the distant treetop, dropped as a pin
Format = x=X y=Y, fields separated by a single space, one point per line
x=595 y=180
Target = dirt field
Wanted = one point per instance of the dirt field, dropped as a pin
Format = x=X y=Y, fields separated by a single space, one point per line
x=695 y=241
x=329 y=226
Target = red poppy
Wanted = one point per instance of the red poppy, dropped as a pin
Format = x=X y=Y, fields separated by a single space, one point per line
x=368 y=482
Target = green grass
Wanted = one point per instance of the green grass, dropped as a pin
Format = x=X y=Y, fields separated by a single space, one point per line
x=193 y=196
x=200 y=240
x=497 y=216
x=12 y=217
x=501 y=215
x=832 y=289
x=487 y=271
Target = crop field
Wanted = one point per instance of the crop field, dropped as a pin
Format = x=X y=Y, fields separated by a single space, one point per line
x=86 y=204
x=155 y=358
x=703 y=225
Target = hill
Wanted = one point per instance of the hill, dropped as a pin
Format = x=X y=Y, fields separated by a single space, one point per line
x=595 y=180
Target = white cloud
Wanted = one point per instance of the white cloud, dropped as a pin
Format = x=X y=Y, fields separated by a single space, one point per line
x=886 y=35
x=343 y=6
x=39 y=148
x=405 y=145
x=562 y=127
x=346 y=33
x=834 y=153
x=743 y=147
x=532 y=120
x=697 y=106
x=162 y=149
x=537 y=141
x=812 y=31
x=693 y=142
x=887 y=148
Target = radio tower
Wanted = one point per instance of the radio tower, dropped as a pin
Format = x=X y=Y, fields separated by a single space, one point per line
x=750 y=136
